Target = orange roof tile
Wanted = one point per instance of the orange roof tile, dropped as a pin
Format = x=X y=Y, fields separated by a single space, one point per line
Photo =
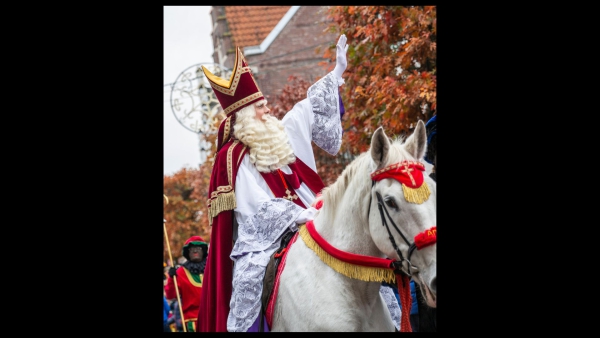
x=250 y=25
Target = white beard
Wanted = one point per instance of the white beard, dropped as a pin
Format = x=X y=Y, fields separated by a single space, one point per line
x=268 y=142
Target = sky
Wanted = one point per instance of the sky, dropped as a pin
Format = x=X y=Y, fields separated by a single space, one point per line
x=187 y=42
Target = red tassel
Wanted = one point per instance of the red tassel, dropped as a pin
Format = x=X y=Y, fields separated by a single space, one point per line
x=406 y=302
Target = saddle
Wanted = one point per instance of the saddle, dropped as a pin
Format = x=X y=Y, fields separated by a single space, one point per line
x=271 y=272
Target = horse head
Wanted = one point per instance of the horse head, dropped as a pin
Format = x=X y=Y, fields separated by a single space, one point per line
x=402 y=215
x=375 y=222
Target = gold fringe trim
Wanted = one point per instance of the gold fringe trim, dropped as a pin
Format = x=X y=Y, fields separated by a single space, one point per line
x=223 y=202
x=364 y=273
x=417 y=195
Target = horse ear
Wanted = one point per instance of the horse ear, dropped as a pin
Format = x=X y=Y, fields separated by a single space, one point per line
x=416 y=144
x=380 y=144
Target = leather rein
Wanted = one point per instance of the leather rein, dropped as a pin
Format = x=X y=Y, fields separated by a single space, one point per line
x=399 y=266
x=402 y=172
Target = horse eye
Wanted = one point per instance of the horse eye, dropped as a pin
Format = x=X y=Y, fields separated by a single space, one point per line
x=391 y=202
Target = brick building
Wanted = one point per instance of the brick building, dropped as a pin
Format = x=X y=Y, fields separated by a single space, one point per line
x=277 y=41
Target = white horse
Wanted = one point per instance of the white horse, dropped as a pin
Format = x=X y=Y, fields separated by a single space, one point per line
x=365 y=213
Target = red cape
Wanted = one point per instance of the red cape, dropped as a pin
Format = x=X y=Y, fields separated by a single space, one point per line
x=218 y=274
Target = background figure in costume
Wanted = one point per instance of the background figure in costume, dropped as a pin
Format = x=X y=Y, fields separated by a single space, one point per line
x=263 y=184
x=166 y=313
x=427 y=315
x=189 y=280
x=175 y=319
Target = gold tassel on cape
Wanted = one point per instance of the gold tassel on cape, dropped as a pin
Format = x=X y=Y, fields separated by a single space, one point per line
x=417 y=195
x=364 y=273
x=223 y=202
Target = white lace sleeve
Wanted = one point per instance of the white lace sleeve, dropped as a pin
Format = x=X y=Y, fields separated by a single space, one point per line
x=316 y=119
x=265 y=227
x=327 y=128
x=262 y=220
x=257 y=240
x=392 y=303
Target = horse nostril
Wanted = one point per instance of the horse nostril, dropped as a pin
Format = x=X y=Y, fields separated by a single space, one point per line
x=433 y=285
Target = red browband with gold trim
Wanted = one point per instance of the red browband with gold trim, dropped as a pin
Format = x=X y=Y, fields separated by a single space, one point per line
x=403 y=172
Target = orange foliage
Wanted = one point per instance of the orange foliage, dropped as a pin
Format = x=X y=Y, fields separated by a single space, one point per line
x=186 y=213
x=376 y=93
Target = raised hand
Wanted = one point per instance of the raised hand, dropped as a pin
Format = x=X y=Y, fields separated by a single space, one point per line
x=341 y=62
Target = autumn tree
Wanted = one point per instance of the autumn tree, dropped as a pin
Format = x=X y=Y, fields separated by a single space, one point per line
x=181 y=211
x=187 y=190
x=391 y=74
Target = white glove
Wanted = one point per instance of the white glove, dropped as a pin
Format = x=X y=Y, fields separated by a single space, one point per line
x=306 y=215
x=341 y=62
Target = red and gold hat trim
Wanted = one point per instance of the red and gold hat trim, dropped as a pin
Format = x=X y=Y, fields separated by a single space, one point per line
x=240 y=90
x=242 y=103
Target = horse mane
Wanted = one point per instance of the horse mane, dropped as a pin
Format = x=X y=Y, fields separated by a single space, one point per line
x=336 y=190
x=362 y=166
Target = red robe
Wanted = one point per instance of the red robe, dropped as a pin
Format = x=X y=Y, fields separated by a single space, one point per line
x=218 y=274
x=189 y=292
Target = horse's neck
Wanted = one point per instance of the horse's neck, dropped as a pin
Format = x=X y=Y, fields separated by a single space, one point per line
x=345 y=225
